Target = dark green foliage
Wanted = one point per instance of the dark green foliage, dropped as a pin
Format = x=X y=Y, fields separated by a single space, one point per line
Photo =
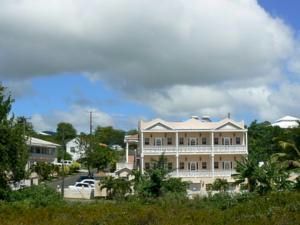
x=43 y=169
x=62 y=154
x=156 y=183
x=13 y=149
x=273 y=209
x=36 y=196
x=65 y=131
x=220 y=185
x=102 y=157
x=117 y=188
x=109 y=136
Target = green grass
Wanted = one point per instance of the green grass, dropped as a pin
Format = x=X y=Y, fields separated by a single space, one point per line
x=276 y=208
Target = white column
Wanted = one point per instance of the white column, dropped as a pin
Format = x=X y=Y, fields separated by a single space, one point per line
x=177 y=155
x=142 y=164
x=142 y=152
x=213 y=165
x=244 y=137
x=212 y=155
x=127 y=146
x=247 y=141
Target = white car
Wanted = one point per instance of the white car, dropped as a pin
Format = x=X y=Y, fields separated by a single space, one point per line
x=91 y=182
x=80 y=185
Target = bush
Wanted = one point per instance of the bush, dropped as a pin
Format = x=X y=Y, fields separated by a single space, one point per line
x=36 y=196
x=74 y=167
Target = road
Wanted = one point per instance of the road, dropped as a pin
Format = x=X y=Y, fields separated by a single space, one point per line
x=69 y=180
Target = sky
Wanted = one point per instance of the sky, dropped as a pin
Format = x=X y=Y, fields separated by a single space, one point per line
x=141 y=59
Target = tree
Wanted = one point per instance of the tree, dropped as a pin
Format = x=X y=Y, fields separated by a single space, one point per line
x=13 y=149
x=220 y=185
x=247 y=172
x=109 y=136
x=156 y=182
x=101 y=157
x=116 y=188
x=65 y=131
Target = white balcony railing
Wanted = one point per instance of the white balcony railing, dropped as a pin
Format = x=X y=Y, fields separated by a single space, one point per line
x=195 y=148
x=225 y=149
x=219 y=149
x=160 y=149
x=208 y=173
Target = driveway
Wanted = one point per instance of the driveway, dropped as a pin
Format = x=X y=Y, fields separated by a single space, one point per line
x=69 y=180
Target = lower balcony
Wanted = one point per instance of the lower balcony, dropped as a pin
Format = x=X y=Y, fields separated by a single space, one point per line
x=202 y=174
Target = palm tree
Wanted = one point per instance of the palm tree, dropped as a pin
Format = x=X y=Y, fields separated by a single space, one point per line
x=220 y=185
x=290 y=158
x=247 y=172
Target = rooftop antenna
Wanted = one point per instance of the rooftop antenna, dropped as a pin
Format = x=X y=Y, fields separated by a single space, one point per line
x=228 y=115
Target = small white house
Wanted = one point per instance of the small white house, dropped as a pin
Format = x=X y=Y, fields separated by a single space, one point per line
x=287 y=122
x=75 y=149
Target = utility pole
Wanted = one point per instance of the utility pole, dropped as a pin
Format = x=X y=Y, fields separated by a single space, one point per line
x=91 y=141
x=63 y=166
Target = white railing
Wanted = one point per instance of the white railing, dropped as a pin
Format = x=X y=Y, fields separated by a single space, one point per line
x=219 y=149
x=242 y=149
x=195 y=148
x=208 y=173
x=124 y=165
x=159 y=149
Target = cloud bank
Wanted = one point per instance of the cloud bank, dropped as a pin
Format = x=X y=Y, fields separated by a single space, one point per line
x=184 y=57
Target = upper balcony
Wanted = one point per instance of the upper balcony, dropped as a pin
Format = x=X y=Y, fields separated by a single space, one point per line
x=195 y=149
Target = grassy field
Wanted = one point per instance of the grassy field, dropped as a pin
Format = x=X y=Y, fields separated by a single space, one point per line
x=277 y=208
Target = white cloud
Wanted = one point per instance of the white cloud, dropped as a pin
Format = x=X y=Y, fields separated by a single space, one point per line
x=148 y=43
x=183 y=57
x=76 y=115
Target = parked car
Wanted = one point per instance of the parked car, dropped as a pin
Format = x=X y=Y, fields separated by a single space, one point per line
x=91 y=182
x=85 y=177
x=79 y=185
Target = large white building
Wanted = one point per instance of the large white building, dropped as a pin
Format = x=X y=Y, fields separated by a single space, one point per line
x=75 y=149
x=287 y=122
x=197 y=150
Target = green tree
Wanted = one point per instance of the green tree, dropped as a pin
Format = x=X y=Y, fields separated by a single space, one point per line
x=220 y=185
x=117 y=188
x=65 y=131
x=109 y=136
x=247 y=172
x=13 y=149
x=156 y=182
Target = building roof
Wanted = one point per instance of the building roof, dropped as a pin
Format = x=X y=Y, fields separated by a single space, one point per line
x=287 y=122
x=32 y=141
x=191 y=124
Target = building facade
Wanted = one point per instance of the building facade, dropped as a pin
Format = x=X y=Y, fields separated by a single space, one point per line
x=75 y=148
x=41 y=151
x=197 y=150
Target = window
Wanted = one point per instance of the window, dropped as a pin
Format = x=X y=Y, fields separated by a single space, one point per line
x=204 y=141
x=72 y=149
x=181 y=165
x=216 y=141
x=147 y=166
x=226 y=141
x=216 y=165
x=181 y=141
x=147 y=141
x=193 y=141
x=204 y=165
x=169 y=141
x=238 y=140
x=170 y=166
x=158 y=141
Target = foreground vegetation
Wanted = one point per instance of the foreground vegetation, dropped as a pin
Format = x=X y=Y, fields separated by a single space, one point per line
x=274 y=208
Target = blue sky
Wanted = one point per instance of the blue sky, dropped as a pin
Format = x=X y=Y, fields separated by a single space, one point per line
x=61 y=60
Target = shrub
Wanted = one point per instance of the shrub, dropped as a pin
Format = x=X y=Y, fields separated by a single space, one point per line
x=36 y=196
x=74 y=167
